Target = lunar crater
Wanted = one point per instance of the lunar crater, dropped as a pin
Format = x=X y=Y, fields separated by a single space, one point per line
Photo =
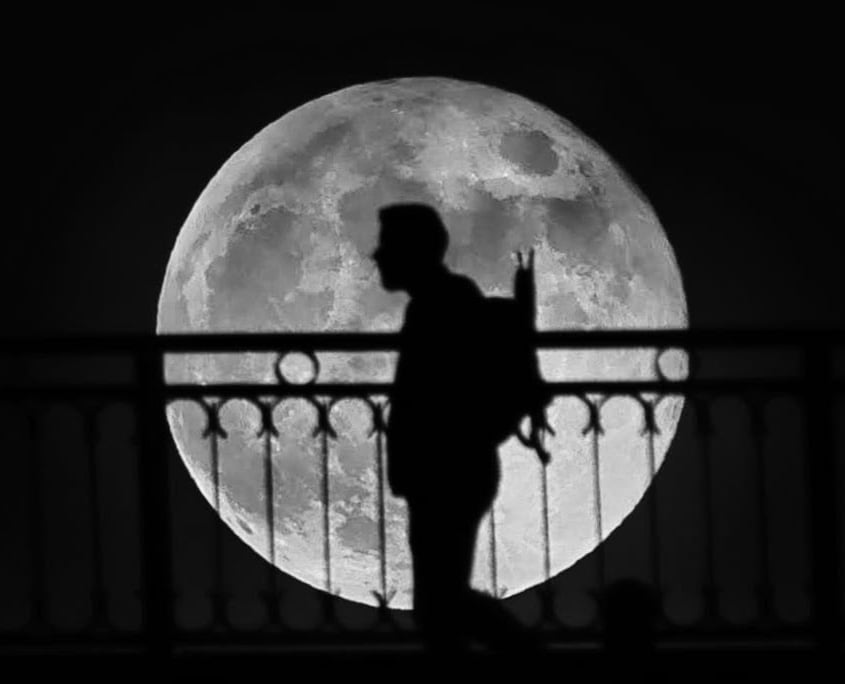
x=530 y=151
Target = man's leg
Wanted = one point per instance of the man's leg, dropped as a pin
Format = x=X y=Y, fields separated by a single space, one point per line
x=486 y=617
x=438 y=568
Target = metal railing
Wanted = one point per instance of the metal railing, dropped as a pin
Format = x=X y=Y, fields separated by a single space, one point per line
x=814 y=390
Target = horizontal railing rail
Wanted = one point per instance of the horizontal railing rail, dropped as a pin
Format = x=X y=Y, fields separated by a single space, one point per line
x=210 y=342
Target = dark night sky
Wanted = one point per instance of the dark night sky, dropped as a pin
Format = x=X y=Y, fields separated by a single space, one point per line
x=731 y=128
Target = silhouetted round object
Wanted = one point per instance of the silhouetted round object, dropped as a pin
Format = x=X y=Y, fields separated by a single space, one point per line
x=280 y=240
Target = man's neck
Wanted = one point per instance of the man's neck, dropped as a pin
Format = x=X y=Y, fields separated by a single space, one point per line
x=430 y=286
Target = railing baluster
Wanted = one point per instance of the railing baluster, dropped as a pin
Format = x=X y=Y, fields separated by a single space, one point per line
x=549 y=617
x=544 y=494
x=492 y=563
x=597 y=505
x=269 y=507
x=595 y=430
x=157 y=576
x=764 y=587
x=821 y=470
x=99 y=598
x=653 y=511
x=324 y=431
x=382 y=522
x=214 y=431
x=704 y=428
x=271 y=596
x=36 y=526
x=379 y=426
x=326 y=501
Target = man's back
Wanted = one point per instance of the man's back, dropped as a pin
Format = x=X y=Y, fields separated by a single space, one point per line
x=436 y=404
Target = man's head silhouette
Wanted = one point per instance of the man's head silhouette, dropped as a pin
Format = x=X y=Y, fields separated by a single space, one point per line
x=412 y=245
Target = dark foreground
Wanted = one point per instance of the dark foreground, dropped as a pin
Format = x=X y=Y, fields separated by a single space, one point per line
x=559 y=664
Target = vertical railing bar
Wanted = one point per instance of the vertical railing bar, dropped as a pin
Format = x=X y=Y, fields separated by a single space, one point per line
x=36 y=526
x=219 y=590
x=764 y=588
x=215 y=471
x=544 y=493
x=547 y=594
x=269 y=507
x=597 y=512
x=98 y=593
x=821 y=471
x=156 y=536
x=382 y=524
x=272 y=593
x=492 y=560
x=324 y=430
x=324 y=461
x=704 y=430
x=653 y=520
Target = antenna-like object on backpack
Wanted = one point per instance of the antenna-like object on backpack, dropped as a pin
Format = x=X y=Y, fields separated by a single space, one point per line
x=525 y=293
x=525 y=288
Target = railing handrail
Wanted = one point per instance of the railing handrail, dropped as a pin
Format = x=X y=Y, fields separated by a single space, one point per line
x=290 y=341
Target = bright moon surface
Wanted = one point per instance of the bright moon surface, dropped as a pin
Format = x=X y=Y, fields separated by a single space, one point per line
x=279 y=241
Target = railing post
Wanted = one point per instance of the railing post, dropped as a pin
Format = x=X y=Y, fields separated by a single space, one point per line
x=99 y=593
x=154 y=480
x=36 y=524
x=705 y=431
x=821 y=470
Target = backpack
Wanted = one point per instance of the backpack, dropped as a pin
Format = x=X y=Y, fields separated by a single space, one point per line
x=516 y=390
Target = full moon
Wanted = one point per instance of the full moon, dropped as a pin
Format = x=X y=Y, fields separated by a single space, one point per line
x=279 y=241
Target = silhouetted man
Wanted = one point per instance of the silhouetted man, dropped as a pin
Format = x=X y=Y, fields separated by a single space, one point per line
x=440 y=458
